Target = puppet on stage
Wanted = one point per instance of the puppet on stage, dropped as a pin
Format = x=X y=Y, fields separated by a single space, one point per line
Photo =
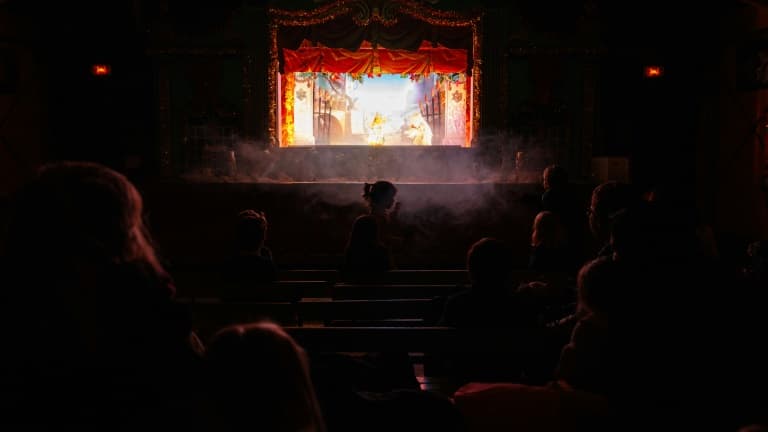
x=417 y=129
x=376 y=136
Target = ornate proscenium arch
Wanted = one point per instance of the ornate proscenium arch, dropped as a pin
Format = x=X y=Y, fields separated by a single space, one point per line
x=386 y=23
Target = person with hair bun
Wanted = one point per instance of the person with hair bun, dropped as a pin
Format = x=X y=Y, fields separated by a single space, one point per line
x=380 y=196
x=382 y=205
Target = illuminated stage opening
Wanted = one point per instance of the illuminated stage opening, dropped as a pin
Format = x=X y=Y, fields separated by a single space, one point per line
x=387 y=109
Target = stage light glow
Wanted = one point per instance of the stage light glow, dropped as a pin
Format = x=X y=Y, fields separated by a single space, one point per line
x=654 y=71
x=101 y=69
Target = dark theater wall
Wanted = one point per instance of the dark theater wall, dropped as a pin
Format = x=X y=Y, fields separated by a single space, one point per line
x=22 y=99
x=731 y=152
x=68 y=113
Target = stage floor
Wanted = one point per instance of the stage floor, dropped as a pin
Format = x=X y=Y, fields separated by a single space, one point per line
x=345 y=163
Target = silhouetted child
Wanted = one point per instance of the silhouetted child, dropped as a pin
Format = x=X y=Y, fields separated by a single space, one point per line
x=560 y=199
x=252 y=261
x=365 y=256
x=382 y=206
x=489 y=301
x=549 y=246
x=488 y=304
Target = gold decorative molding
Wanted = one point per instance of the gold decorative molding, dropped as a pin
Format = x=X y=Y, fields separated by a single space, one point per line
x=319 y=15
x=274 y=67
x=477 y=77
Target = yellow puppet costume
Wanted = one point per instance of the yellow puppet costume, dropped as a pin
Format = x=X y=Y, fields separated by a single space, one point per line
x=376 y=136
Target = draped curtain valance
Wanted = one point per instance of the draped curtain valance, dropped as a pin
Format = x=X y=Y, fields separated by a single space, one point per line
x=369 y=60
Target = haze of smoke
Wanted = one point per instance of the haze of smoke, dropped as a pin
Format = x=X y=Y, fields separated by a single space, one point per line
x=431 y=199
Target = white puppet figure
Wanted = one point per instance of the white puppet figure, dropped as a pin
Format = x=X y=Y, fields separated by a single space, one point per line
x=417 y=129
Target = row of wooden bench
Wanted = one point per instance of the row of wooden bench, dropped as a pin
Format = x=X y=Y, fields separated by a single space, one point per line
x=431 y=339
x=210 y=315
x=312 y=302
x=296 y=285
x=433 y=351
x=293 y=291
x=460 y=277
x=444 y=276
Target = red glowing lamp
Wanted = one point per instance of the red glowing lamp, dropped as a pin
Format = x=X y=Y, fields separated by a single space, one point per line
x=101 y=70
x=654 y=71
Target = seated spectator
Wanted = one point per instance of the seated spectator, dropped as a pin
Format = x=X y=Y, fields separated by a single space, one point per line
x=382 y=206
x=251 y=262
x=642 y=319
x=559 y=199
x=607 y=200
x=549 y=248
x=90 y=330
x=489 y=304
x=260 y=380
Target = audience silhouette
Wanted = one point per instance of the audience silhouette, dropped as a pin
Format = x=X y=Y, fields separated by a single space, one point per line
x=640 y=317
x=251 y=263
x=88 y=305
x=91 y=332
x=561 y=200
x=489 y=304
x=549 y=244
x=556 y=197
x=607 y=200
x=383 y=207
x=260 y=380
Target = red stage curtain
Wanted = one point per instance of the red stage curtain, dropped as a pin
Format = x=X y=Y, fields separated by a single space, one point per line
x=328 y=60
x=374 y=61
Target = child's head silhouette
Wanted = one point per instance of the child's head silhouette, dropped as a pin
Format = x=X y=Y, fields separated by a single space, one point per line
x=251 y=229
x=380 y=195
x=488 y=264
x=555 y=176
